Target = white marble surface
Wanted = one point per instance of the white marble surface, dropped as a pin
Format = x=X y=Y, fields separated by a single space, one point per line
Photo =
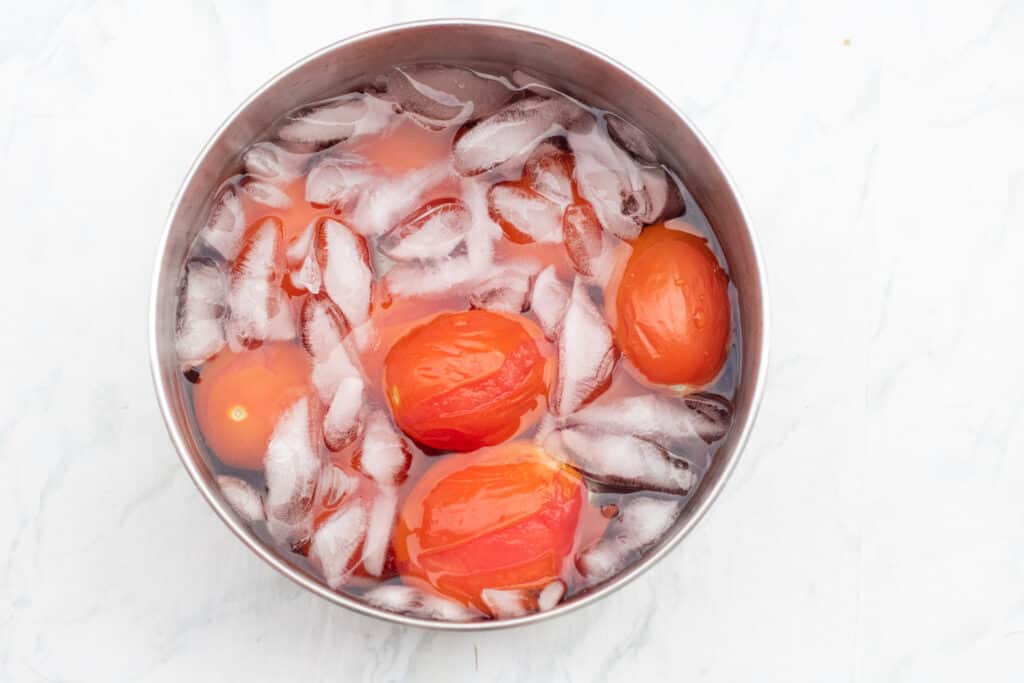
x=874 y=530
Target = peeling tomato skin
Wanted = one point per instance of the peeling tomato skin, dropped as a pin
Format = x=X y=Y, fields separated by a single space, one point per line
x=672 y=317
x=502 y=517
x=462 y=381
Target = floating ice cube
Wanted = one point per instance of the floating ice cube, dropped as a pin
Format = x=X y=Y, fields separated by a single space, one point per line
x=345 y=262
x=342 y=421
x=508 y=603
x=417 y=603
x=331 y=122
x=586 y=353
x=334 y=486
x=625 y=195
x=507 y=291
x=641 y=522
x=387 y=200
x=335 y=544
x=583 y=237
x=202 y=303
x=338 y=181
x=292 y=466
x=253 y=294
x=383 y=456
x=378 y=532
x=549 y=300
x=621 y=460
x=242 y=498
x=467 y=265
x=273 y=162
x=684 y=425
x=438 y=94
x=513 y=131
x=549 y=169
x=281 y=326
x=265 y=193
x=304 y=270
x=631 y=139
x=524 y=215
x=225 y=226
x=550 y=595
x=433 y=231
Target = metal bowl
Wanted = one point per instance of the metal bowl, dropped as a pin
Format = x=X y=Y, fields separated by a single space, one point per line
x=572 y=67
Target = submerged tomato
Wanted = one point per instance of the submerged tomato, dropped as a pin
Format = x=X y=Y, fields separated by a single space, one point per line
x=466 y=380
x=672 y=308
x=240 y=397
x=501 y=517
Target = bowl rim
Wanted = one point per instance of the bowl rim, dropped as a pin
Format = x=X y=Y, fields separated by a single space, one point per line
x=264 y=552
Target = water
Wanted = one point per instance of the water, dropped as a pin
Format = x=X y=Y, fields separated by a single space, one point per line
x=438 y=188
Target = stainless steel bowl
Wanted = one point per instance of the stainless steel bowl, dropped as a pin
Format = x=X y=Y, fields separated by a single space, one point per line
x=570 y=66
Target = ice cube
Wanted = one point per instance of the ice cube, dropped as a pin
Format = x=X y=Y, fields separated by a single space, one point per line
x=467 y=265
x=432 y=232
x=417 y=603
x=202 y=303
x=642 y=522
x=342 y=423
x=336 y=543
x=331 y=122
x=242 y=498
x=344 y=260
x=583 y=237
x=253 y=297
x=336 y=377
x=684 y=425
x=438 y=94
x=524 y=215
x=273 y=162
x=378 y=532
x=549 y=300
x=383 y=203
x=549 y=169
x=338 y=181
x=508 y=603
x=512 y=132
x=586 y=353
x=301 y=257
x=292 y=467
x=621 y=460
x=664 y=198
x=324 y=327
x=265 y=193
x=225 y=226
x=334 y=486
x=383 y=456
x=631 y=139
x=550 y=595
x=507 y=291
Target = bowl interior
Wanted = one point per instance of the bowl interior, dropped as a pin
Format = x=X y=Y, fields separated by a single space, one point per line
x=567 y=66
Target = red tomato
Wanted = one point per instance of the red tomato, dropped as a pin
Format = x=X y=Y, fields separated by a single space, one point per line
x=672 y=308
x=466 y=380
x=240 y=397
x=501 y=517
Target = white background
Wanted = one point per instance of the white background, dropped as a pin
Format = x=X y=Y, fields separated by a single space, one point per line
x=874 y=530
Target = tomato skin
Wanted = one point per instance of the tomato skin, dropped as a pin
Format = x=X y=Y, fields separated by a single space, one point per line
x=240 y=397
x=502 y=517
x=672 y=317
x=462 y=381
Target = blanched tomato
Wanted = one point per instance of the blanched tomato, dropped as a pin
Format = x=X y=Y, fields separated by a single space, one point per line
x=672 y=308
x=466 y=380
x=501 y=517
x=240 y=397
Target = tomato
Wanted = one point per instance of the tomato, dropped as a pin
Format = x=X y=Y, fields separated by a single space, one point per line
x=672 y=315
x=240 y=397
x=502 y=517
x=466 y=380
